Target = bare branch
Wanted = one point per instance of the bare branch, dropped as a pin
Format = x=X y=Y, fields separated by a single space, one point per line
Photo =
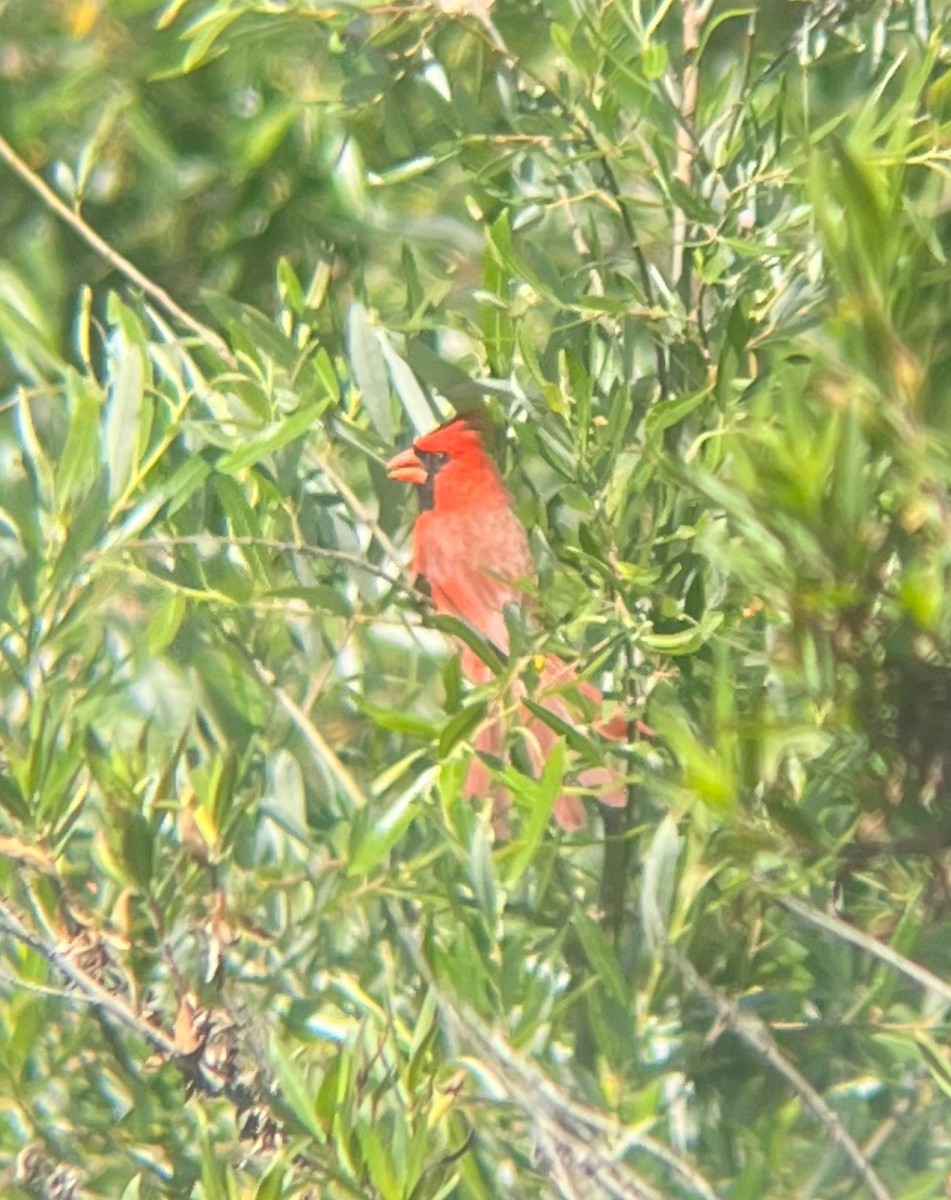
x=356 y=506
x=694 y=14
x=93 y=991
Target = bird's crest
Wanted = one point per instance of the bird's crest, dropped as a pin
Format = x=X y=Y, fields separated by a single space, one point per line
x=464 y=434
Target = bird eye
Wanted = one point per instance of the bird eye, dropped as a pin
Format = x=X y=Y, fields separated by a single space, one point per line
x=432 y=460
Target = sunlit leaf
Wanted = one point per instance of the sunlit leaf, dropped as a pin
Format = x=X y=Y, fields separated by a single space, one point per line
x=369 y=371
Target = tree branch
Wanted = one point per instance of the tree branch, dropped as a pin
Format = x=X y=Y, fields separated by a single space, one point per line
x=757 y=1035
x=106 y=252
x=842 y=929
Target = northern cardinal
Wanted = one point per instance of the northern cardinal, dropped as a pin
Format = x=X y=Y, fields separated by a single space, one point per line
x=472 y=550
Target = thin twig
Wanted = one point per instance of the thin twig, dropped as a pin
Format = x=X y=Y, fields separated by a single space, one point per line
x=194 y=1066
x=357 y=507
x=842 y=929
x=756 y=1034
x=744 y=82
x=587 y=1144
x=694 y=16
x=106 y=252
x=92 y=990
x=581 y=1146
x=316 y=741
x=324 y=552
x=590 y=139
x=580 y=242
x=319 y=681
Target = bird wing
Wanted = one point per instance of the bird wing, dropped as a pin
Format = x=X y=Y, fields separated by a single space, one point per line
x=475 y=564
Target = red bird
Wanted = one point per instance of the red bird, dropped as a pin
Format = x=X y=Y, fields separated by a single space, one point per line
x=472 y=550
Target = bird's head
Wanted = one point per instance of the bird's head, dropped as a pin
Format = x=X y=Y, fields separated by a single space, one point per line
x=450 y=467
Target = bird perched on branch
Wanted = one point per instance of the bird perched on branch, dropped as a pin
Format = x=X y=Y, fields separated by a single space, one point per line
x=472 y=550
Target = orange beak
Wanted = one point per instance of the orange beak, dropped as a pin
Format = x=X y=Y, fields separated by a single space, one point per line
x=405 y=467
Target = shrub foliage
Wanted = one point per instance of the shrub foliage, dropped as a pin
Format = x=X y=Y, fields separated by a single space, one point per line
x=692 y=261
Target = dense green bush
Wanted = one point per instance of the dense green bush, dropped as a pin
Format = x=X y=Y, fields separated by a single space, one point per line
x=692 y=260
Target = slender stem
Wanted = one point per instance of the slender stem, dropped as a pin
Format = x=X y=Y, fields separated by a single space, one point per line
x=93 y=991
x=886 y=954
x=589 y=137
x=263 y=543
x=579 y=1144
x=694 y=16
x=757 y=1035
x=116 y=260
x=316 y=742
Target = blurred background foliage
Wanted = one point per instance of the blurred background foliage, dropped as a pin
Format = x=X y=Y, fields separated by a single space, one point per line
x=692 y=257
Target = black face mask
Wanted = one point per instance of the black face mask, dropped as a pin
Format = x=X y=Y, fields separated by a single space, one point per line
x=432 y=463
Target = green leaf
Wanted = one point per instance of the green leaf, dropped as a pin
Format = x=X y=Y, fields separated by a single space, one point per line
x=602 y=958
x=126 y=382
x=667 y=413
x=33 y=450
x=164 y=624
x=379 y=1160
x=271 y=1186
x=399 y=721
x=87 y=524
x=422 y=415
x=654 y=60
x=733 y=354
x=502 y=248
x=78 y=463
x=484 y=650
x=258 y=337
x=657 y=887
x=11 y=799
x=458 y=728
x=536 y=816
x=133 y=1189
x=443 y=376
x=245 y=525
x=425 y=1034
x=369 y=371
x=326 y=373
x=687 y=641
x=204 y=34
x=296 y=1090
x=215 y=1175
x=705 y=773
x=376 y=841
x=320 y=597
x=421 y=165
x=936 y=1060
x=335 y=1088
x=497 y=328
x=174 y=491
x=691 y=203
x=577 y=740
x=289 y=286
x=138 y=849
x=275 y=437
